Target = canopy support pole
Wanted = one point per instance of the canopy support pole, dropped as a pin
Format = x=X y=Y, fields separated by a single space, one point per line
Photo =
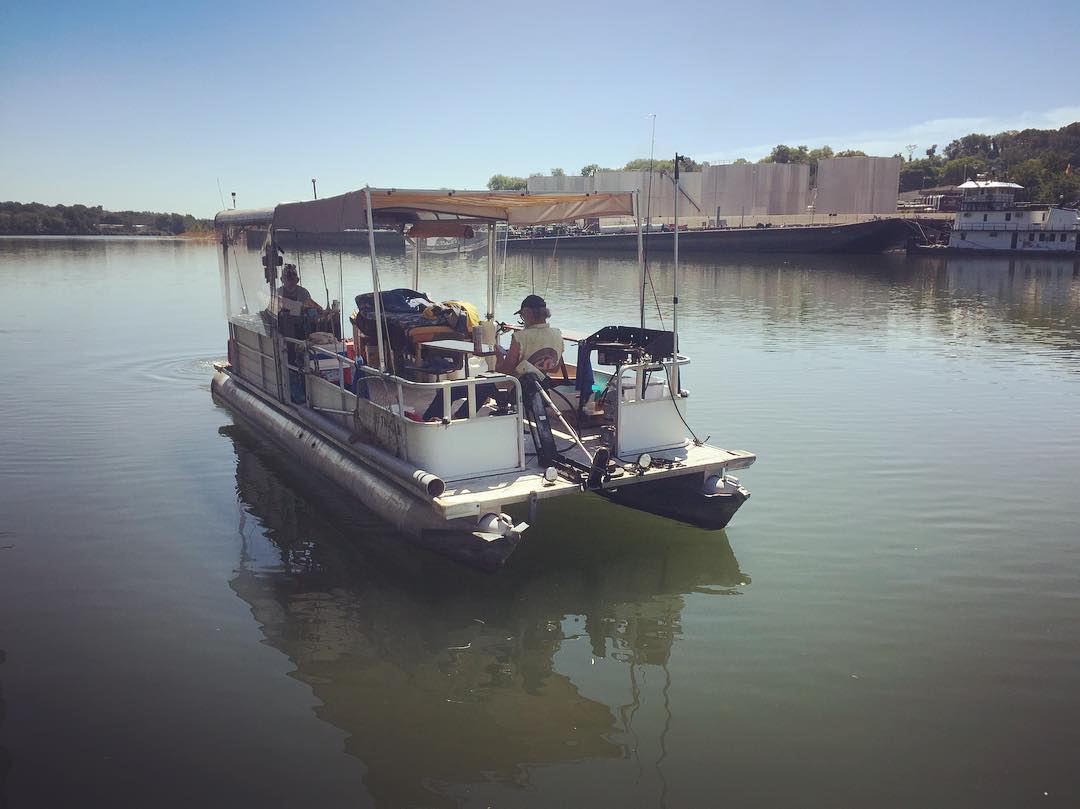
x=492 y=246
x=375 y=280
x=225 y=272
x=416 y=265
x=640 y=256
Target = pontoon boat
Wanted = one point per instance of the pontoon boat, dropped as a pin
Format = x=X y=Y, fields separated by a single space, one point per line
x=345 y=394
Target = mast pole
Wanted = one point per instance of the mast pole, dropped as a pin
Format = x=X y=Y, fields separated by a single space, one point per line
x=640 y=256
x=377 y=296
x=675 y=283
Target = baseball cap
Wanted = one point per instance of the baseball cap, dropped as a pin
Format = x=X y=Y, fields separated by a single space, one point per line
x=532 y=302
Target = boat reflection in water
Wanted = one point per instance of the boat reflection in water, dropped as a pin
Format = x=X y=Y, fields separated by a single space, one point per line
x=443 y=677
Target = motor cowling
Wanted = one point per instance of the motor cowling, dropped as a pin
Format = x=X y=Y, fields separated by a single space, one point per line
x=722 y=485
x=491 y=523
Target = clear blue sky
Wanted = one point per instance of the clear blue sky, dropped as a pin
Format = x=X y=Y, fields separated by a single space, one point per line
x=146 y=105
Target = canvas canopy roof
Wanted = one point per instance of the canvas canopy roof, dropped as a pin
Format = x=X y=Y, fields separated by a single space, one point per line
x=245 y=216
x=401 y=206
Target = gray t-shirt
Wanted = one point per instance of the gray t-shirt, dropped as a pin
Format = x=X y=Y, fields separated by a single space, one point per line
x=298 y=293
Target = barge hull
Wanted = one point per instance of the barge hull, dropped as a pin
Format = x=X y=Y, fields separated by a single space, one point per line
x=875 y=236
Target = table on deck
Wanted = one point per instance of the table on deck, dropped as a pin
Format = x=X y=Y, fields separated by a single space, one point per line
x=463 y=347
x=467 y=349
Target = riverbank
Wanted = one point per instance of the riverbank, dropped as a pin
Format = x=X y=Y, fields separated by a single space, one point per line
x=37 y=219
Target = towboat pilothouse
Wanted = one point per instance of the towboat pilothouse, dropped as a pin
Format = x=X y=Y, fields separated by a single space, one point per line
x=400 y=403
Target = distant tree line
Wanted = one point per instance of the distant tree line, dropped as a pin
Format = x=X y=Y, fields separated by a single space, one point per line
x=1045 y=161
x=35 y=219
x=503 y=182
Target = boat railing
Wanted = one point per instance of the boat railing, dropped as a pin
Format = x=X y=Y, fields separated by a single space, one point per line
x=650 y=415
x=401 y=384
x=1002 y=227
x=641 y=372
x=453 y=447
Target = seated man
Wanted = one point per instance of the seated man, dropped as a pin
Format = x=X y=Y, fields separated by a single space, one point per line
x=535 y=349
x=290 y=290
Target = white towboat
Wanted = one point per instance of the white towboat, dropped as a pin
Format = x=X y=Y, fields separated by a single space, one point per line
x=991 y=222
x=343 y=395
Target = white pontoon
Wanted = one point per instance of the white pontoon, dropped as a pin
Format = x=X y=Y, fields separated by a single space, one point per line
x=343 y=394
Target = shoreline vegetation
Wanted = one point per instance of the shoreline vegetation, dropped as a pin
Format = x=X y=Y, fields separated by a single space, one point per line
x=36 y=219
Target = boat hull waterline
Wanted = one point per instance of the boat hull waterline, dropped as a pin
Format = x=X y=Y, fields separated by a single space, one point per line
x=711 y=512
x=402 y=504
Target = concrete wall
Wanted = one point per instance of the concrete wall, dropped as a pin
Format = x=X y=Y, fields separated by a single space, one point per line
x=845 y=185
x=859 y=185
x=755 y=189
x=662 y=201
x=550 y=185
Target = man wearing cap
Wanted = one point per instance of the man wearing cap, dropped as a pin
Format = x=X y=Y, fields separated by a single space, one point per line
x=291 y=290
x=536 y=349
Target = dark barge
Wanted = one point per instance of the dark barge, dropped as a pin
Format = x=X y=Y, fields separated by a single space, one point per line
x=874 y=236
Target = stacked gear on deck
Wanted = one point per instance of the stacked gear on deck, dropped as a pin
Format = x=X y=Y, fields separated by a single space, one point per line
x=411 y=318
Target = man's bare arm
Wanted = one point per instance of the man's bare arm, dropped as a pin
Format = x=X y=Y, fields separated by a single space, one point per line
x=506 y=363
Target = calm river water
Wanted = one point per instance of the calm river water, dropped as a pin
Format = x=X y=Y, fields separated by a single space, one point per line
x=892 y=620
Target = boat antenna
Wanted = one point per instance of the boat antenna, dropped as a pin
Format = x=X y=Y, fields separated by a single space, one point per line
x=221 y=196
x=675 y=276
x=377 y=297
x=326 y=285
x=648 y=219
x=646 y=274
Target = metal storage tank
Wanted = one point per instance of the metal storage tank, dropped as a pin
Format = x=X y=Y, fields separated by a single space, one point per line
x=858 y=185
x=761 y=189
x=663 y=189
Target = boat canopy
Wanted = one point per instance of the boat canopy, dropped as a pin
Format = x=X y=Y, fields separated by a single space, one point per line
x=244 y=216
x=396 y=207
